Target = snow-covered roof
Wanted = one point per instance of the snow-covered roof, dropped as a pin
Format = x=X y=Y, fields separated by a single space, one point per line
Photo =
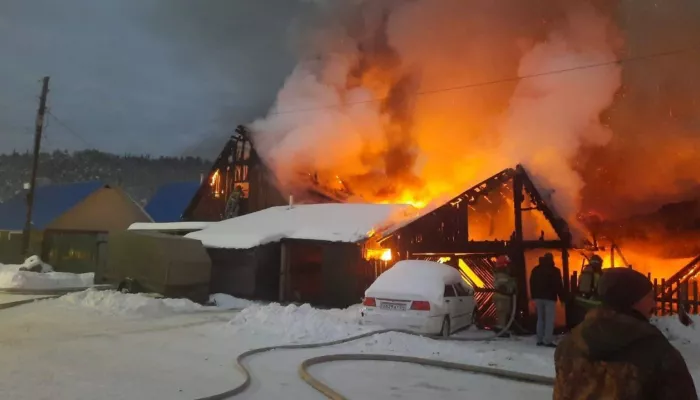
x=414 y=280
x=334 y=222
x=169 y=226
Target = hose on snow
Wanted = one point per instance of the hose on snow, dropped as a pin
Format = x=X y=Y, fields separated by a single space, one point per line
x=306 y=376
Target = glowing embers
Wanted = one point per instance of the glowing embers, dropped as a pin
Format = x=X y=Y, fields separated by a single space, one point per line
x=378 y=254
x=215 y=183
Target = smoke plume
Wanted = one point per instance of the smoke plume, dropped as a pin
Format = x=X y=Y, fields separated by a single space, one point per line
x=384 y=97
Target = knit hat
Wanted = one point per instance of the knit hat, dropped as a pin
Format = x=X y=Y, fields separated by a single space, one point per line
x=621 y=288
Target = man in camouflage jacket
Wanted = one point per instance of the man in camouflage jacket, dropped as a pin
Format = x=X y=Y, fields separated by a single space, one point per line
x=616 y=353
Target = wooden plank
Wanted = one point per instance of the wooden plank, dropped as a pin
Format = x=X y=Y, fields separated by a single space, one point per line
x=663 y=296
x=656 y=294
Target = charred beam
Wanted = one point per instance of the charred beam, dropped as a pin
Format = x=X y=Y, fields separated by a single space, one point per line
x=558 y=223
x=491 y=247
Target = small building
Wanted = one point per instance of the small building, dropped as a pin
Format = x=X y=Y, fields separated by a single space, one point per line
x=70 y=223
x=170 y=201
x=315 y=253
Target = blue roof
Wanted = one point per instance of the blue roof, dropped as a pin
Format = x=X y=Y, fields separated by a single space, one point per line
x=170 y=201
x=50 y=202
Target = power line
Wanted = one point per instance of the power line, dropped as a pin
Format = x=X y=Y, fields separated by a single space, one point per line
x=70 y=130
x=507 y=80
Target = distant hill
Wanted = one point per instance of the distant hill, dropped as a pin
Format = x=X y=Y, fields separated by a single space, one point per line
x=139 y=175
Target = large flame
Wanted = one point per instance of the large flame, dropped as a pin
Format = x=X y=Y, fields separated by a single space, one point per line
x=413 y=102
x=382 y=105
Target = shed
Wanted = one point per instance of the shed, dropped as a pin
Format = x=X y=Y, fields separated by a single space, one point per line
x=70 y=223
x=314 y=253
x=170 y=201
x=170 y=265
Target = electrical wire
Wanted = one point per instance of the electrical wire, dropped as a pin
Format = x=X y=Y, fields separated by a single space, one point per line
x=507 y=80
x=69 y=129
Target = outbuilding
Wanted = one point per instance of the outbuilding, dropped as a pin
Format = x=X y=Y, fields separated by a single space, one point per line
x=316 y=253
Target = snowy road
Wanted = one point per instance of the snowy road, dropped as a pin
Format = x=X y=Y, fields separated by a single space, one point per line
x=87 y=349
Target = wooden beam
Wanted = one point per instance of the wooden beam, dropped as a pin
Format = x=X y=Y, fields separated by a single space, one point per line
x=495 y=247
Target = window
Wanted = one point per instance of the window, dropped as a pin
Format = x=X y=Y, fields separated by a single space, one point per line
x=461 y=291
x=467 y=288
x=450 y=291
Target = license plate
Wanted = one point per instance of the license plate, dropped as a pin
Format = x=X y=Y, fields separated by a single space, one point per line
x=393 y=307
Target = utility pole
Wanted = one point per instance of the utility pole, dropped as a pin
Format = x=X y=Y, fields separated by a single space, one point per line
x=35 y=165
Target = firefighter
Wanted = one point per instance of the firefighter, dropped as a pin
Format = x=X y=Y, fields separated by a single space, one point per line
x=590 y=274
x=505 y=286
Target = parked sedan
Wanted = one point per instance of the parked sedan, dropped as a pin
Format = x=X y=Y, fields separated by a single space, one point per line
x=421 y=296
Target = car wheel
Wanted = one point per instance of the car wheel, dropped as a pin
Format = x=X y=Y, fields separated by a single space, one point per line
x=446 y=329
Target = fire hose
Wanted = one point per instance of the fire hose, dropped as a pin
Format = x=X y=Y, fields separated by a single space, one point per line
x=303 y=371
x=330 y=393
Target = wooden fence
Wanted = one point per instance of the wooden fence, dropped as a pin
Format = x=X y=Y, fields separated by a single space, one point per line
x=670 y=297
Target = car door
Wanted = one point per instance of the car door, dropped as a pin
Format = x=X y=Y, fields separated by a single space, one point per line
x=451 y=302
x=462 y=308
x=466 y=295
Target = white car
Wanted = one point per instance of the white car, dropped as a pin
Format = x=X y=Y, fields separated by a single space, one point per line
x=421 y=296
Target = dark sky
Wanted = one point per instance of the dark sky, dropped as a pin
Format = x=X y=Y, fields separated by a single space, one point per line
x=141 y=76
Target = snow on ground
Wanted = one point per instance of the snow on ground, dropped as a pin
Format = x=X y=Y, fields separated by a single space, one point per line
x=675 y=331
x=222 y=300
x=54 y=349
x=303 y=323
x=11 y=277
x=117 y=303
x=337 y=222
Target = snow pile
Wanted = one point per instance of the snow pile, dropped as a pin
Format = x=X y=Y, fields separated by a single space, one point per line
x=327 y=222
x=222 y=300
x=674 y=330
x=117 y=303
x=299 y=323
x=414 y=280
x=12 y=277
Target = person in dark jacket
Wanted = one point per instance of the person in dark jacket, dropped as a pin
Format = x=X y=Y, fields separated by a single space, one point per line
x=545 y=287
x=616 y=353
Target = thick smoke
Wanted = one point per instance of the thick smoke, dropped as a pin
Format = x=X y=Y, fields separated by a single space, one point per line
x=383 y=97
x=550 y=117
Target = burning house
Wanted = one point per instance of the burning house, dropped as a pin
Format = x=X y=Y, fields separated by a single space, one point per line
x=502 y=215
x=240 y=183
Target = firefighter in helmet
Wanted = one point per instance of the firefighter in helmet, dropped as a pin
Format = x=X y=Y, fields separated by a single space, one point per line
x=505 y=286
x=588 y=281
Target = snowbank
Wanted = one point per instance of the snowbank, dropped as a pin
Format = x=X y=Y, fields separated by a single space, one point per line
x=675 y=331
x=222 y=300
x=117 y=303
x=299 y=323
x=414 y=280
x=327 y=222
x=12 y=278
